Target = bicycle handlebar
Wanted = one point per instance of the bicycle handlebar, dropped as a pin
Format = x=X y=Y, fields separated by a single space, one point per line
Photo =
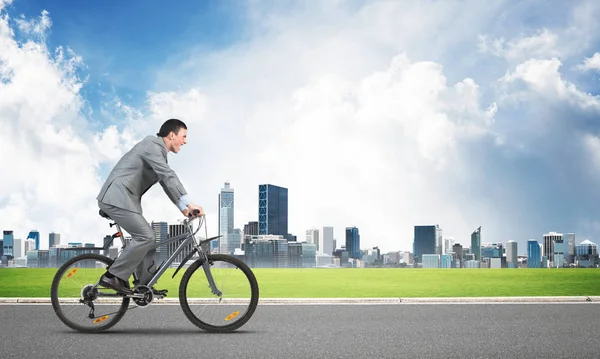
x=191 y=217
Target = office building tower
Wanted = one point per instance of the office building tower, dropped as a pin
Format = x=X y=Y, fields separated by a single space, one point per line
x=29 y=246
x=586 y=254
x=53 y=239
x=548 y=245
x=18 y=248
x=326 y=241
x=560 y=253
x=570 y=239
x=476 y=243
x=174 y=231
x=312 y=237
x=273 y=210
x=353 y=243
x=458 y=251
x=226 y=210
x=424 y=241
x=439 y=240
x=511 y=254
x=35 y=235
x=234 y=240
x=251 y=229
x=534 y=255
x=492 y=250
x=8 y=244
x=448 y=244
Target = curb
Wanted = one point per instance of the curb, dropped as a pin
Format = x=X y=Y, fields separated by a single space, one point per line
x=353 y=301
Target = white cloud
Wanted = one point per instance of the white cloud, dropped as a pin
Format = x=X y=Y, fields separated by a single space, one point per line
x=591 y=63
x=4 y=3
x=48 y=168
x=544 y=44
x=366 y=118
x=544 y=80
x=33 y=26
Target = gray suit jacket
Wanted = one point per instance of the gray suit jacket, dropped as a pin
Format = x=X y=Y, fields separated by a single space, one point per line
x=137 y=171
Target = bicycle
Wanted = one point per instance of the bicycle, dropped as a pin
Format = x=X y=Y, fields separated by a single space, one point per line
x=76 y=286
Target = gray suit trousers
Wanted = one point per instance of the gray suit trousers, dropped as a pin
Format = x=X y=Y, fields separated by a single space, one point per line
x=136 y=255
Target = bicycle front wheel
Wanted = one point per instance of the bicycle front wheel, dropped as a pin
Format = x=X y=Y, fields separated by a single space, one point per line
x=219 y=312
x=78 y=302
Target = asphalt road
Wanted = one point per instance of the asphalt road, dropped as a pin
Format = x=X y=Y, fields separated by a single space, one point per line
x=319 y=331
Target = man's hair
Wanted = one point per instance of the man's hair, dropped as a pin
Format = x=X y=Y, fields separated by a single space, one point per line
x=172 y=124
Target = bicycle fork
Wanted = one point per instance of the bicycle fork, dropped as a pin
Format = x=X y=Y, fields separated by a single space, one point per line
x=209 y=277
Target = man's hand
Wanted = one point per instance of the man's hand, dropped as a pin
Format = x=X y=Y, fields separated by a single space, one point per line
x=190 y=210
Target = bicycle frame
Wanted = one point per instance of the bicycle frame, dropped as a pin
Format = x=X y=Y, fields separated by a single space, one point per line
x=188 y=238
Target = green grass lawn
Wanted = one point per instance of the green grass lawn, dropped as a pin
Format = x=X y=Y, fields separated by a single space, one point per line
x=365 y=282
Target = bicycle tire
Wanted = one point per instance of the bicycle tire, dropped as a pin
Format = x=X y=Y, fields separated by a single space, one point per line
x=214 y=328
x=55 y=300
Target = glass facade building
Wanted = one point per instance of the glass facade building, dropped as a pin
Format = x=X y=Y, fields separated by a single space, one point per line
x=35 y=235
x=534 y=255
x=446 y=261
x=424 y=242
x=8 y=243
x=431 y=260
x=53 y=239
x=272 y=210
x=353 y=243
x=476 y=243
x=226 y=209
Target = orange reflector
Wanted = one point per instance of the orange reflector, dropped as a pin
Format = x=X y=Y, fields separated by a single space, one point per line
x=72 y=272
x=101 y=319
x=118 y=234
x=232 y=315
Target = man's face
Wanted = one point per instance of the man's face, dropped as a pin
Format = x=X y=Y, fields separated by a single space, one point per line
x=178 y=140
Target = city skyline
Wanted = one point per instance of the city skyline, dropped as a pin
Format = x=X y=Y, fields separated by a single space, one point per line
x=433 y=247
x=390 y=115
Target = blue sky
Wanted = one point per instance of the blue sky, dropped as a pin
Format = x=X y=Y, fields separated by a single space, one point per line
x=377 y=114
x=123 y=43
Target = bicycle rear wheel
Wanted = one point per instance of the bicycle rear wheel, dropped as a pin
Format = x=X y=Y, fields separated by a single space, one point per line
x=213 y=312
x=77 y=301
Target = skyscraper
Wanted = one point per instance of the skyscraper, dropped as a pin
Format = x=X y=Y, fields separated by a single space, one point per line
x=326 y=242
x=439 y=240
x=476 y=243
x=251 y=229
x=571 y=245
x=549 y=239
x=53 y=239
x=534 y=256
x=425 y=241
x=273 y=210
x=511 y=254
x=18 y=248
x=226 y=209
x=353 y=242
x=561 y=252
x=312 y=237
x=8 y=243
x=35 y=235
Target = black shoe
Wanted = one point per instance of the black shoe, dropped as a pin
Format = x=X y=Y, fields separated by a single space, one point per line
x=115 y=284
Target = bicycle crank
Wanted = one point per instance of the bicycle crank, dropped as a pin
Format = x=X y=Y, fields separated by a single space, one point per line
x=142 y=296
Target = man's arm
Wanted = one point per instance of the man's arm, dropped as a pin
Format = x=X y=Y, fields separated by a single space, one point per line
x=168 y=179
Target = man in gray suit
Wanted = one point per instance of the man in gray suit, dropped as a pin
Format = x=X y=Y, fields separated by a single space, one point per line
x=120 y=198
